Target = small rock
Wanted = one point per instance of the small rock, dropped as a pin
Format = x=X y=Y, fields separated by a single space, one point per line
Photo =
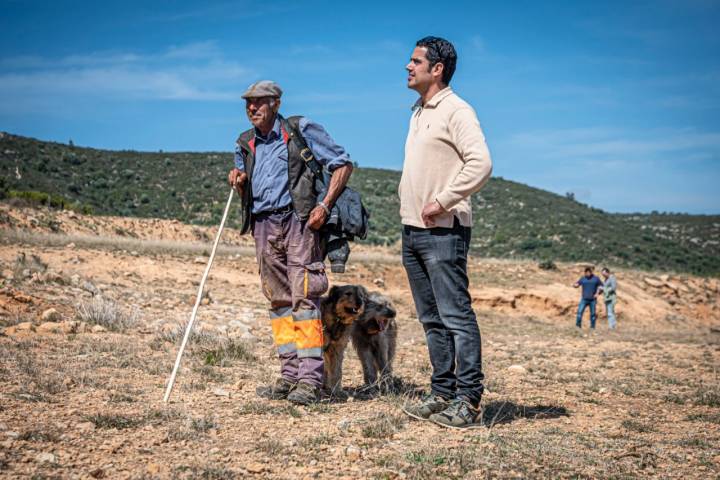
x=75 y=279
x=219 y=392
x=98 y=329
x=154 y=469
x=517 y=369
x=89 y=287
x=98 y=473
x=45 y=457
x=200 y=260
x=344 y=424
x=353 y=452
x=379 y=282
x=12 y=434
x=134 y=253
x=50 y=315
x=255 y=467
x=85 y=427
x=69 y=326
x=23 y=327
x=70 y=245
x=248 y=337
x=49 y=327
x=21 y=297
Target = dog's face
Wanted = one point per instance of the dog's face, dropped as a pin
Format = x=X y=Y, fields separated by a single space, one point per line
x=379 y=312
x=349 y=302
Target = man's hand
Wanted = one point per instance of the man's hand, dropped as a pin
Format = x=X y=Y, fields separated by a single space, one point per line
x=237 y=179
x=317 y=218
x=430 y=211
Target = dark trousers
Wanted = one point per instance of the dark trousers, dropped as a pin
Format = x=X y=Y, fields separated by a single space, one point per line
x=435 y=260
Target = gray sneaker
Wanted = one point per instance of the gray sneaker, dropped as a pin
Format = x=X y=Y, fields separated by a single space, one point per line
x=429 y=404
x=460 y=414
x=304 y=394
x=278 y=391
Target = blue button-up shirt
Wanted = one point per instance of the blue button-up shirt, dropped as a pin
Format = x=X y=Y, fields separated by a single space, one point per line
x=270 y=174
x=589 y=286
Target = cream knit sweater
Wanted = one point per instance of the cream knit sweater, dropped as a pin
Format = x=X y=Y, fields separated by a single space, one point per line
x=446 y=159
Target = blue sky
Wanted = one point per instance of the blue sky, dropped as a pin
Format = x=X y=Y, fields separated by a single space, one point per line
x=618 y=102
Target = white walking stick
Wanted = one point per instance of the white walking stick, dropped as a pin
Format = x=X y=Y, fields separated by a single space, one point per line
x=189 y=326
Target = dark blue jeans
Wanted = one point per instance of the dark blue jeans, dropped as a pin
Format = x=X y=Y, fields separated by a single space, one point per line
x=435 y=260
x=581 y=309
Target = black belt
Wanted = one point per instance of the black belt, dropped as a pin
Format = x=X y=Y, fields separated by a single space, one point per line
x=277 y=211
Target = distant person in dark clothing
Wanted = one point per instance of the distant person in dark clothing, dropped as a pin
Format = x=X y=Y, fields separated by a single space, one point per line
x=610 y=294
x=590 y=285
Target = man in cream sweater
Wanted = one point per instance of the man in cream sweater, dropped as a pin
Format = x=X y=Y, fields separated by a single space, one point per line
x=446 y=161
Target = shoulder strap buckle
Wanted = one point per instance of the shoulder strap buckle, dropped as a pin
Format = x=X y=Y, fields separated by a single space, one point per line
x=307 y=155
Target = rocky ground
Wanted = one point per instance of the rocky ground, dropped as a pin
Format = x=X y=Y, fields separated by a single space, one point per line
x=91 y=309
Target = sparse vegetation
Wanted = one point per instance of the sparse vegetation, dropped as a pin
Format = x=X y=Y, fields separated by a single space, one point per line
x=106 y=313
x=637 y=426
x=114 y=420
x=384 y=425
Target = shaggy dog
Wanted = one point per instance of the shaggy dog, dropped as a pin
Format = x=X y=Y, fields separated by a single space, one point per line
x=374 y=336
x=339 y=310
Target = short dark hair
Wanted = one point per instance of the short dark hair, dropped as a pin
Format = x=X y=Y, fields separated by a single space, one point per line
x=605 y=269
x=588 y=269
x=440 y=50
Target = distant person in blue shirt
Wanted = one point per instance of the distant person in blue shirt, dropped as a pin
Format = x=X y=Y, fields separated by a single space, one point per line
x=590 y=285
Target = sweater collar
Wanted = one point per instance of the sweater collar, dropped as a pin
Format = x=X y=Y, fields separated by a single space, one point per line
x=435 y=100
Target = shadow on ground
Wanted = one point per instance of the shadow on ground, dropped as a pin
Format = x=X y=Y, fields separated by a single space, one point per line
x=496 y=413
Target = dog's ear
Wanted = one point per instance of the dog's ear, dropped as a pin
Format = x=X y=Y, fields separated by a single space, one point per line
x=334 y=294
x=362 y=293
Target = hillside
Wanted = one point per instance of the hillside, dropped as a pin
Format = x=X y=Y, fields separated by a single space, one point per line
x=512 y=220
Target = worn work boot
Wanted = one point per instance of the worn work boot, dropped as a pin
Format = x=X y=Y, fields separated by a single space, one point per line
x=304 y=394
x=279 y=391
x=428 y=405
x=460 y=414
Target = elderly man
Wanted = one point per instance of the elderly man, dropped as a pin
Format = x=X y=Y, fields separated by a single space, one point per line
x=609 y=291
x=280 y=207
x=446 y=161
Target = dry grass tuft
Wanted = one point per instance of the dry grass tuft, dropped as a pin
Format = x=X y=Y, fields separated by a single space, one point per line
x=384 y=425
x=106 y=313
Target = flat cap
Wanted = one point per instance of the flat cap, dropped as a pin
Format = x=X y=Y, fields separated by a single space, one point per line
x=263 y=88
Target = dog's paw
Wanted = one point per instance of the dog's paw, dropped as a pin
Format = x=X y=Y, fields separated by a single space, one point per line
x=367 y=392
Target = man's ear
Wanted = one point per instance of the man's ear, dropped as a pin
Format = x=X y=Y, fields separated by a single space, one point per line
x=277 y=106
x=437 y=69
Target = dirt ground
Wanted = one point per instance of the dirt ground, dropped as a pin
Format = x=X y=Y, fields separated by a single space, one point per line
x=90 y=311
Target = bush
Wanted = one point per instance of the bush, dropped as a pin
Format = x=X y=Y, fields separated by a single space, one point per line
x=547 y=265
x=107 y=314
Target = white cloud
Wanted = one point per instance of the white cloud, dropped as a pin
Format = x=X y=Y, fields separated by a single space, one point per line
x=195 y=71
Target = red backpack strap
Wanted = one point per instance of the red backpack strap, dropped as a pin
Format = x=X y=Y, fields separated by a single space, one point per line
x=285 y=134
x=251 y=144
